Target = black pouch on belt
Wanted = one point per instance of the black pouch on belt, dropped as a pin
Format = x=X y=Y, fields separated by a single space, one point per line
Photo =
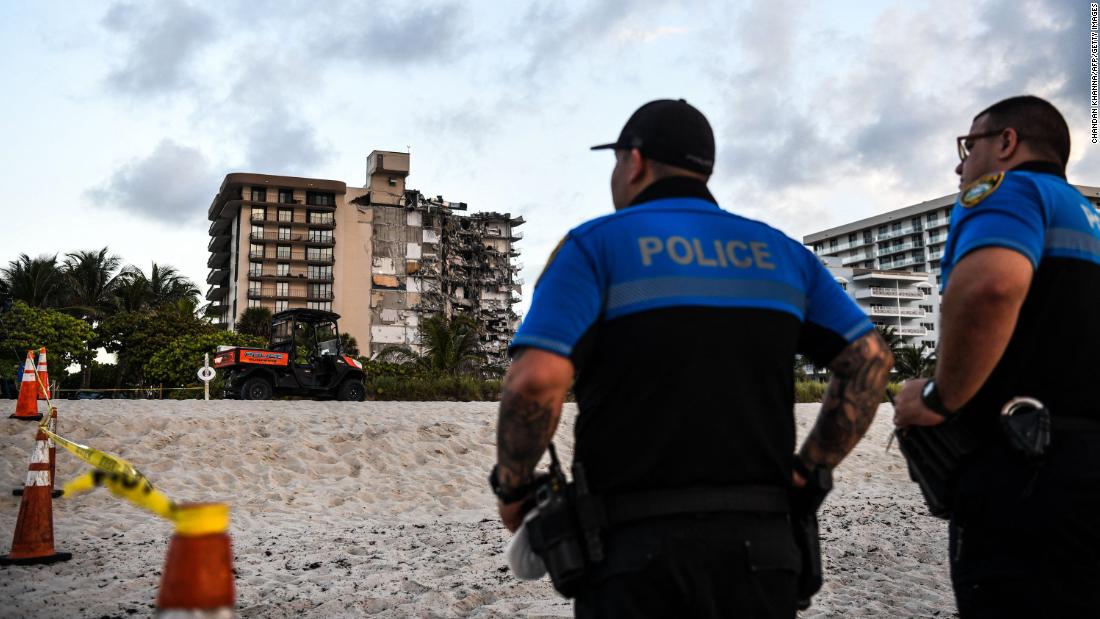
x=1026 y=425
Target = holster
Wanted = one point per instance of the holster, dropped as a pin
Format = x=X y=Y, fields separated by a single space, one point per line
x=805 y=503
x=933 y=455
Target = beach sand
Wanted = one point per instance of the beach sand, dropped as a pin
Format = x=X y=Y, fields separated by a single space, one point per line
x=382 y=508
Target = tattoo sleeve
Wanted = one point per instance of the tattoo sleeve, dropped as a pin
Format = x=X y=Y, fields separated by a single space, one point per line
x=853 y=395
x=524 y=430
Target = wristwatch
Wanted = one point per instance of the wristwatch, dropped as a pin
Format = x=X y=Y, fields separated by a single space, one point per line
x=930 y=396
x=510 y=496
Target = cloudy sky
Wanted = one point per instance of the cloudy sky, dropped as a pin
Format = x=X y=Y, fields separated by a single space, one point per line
x=121 y=118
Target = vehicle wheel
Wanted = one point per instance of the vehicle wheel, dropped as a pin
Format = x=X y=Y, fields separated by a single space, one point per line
x=351 y=391
x=256 y=389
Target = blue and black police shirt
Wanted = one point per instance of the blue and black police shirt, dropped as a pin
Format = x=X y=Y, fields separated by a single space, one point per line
x=1052 y=353
x=682 y=321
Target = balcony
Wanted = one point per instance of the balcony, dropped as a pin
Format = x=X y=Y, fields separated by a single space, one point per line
x=894 y=249
x=870 y=255
x=912 y=331
x=907 y=262
x=218 y=260
x=515 y=236
x=218 y=276
x=319 y=278
x=939 y=223
x=309 y=239
x=319 y=296
x=893 y=234
x=935 y=255
x=272 y=293
x=218 y=243
x=215 y=293
x=904 y=312
x=889 y=293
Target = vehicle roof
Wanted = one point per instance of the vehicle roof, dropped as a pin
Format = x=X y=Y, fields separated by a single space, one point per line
x=302 y=313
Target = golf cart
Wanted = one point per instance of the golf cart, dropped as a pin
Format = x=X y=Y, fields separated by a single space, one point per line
x=303 y=358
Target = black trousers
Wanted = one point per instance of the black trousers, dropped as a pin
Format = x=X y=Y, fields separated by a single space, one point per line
x=729 y=565
x=1025 y=541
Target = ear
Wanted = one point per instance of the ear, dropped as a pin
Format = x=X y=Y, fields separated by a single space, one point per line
x=636 y=166
x=1009 y=143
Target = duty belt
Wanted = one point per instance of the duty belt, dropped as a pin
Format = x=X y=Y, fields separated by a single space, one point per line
x=630 y=507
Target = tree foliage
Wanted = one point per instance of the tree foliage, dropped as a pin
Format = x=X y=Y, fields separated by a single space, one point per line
x=163 y=284
x=914 y=362
x=255 y=321
x=135 y=336
x=449 y=346
x=176 y=364
x=24 y=328
x=34 y=281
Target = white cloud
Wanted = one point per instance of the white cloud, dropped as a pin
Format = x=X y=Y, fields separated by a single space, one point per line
x=172 y=184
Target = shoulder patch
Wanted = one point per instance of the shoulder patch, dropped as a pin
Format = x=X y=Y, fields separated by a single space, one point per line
x=980 y=189
x=550 y=260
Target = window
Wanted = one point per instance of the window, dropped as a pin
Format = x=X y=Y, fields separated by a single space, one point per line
x=320 y=305
x=286 y=214
x=317 y=217
x=253 y=289
x=870 y=264
x=284 y=233
x=320 y=198
x=882 y=229
x=282 y=252
x=320 y=272
x=320 y=236
x=254 y=303
x=255 y=250
x=259 y=213
x=282 y=289
x=282 y=269
x=280 y=306
x=257 y=233
x=851 y=238
x=320 y=291
x=928 y=325
x=255 y=269
x=259 y=194
x=286 y=196
x=832 y=243
x=319 y=254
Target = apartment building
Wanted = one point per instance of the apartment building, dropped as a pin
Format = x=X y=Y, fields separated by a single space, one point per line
x=906 y=301
x=382 y=256
x=909 y=239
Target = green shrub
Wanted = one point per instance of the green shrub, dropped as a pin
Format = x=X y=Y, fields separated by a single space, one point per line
x=431 y=387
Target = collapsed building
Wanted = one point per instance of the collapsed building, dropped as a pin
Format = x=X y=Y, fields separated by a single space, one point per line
x=391 y=257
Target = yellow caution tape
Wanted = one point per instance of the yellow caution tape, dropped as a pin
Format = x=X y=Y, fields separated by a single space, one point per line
x=118 y=476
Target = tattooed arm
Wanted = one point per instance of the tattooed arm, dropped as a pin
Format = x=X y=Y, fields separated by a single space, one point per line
x=860 y=373
x=530 y=407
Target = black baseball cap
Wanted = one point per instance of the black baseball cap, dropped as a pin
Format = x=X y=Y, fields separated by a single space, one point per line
x=670 y=131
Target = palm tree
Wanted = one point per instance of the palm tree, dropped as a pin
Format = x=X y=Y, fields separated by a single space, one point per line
x=255 y=321
x=890 y=334
x=90 y=279
x=164 y=284
x=34 y=281
x=914 y=362
x=449 y=346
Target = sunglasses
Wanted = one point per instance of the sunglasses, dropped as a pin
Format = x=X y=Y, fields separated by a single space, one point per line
x=965 y=142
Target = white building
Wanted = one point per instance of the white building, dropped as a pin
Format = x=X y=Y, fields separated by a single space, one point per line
x=906 y=243
x=904 y=300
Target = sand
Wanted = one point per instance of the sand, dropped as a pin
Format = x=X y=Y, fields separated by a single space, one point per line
x=381 y=508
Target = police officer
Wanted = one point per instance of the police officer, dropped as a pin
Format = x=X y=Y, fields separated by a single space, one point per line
x=1021 y=282
x=677 y=323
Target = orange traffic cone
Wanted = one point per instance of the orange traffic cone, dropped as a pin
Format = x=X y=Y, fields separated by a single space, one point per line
x=33 y=540
x=53 y=458
x=198 y=573
x=43 y=376
x=27 y=406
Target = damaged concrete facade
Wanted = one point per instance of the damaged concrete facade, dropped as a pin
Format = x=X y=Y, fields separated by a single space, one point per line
x=428 y=257
x=397 y=256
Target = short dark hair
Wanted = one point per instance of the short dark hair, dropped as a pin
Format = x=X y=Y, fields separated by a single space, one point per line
x=1037 y=122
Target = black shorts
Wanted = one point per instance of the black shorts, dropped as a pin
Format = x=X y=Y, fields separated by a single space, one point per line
x=1025 y=542
x=742 y=565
